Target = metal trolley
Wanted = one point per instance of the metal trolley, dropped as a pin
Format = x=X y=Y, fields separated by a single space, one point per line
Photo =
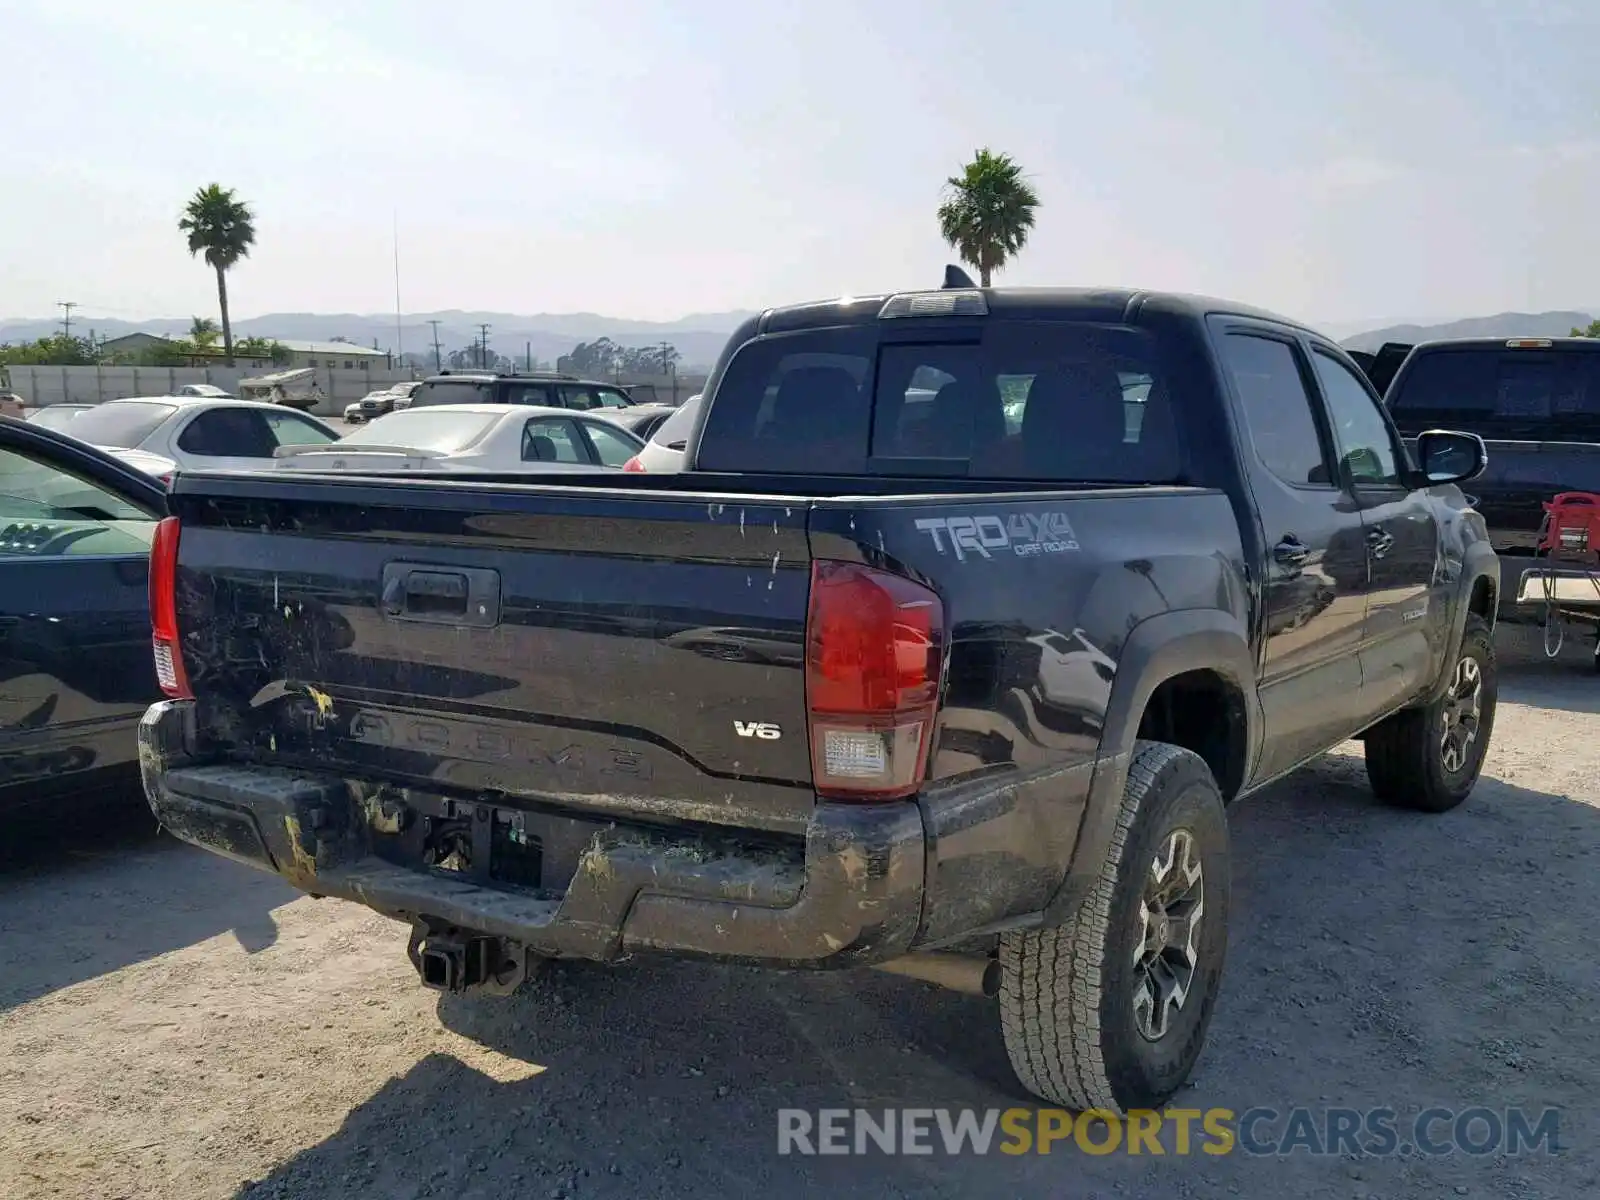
x=1567 y=578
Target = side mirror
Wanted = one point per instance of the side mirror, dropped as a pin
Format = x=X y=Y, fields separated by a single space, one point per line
x=1444 y=456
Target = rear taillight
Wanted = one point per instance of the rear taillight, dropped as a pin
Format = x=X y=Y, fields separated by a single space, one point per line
x=633 y=464
x=874 y=651
x=174 y=680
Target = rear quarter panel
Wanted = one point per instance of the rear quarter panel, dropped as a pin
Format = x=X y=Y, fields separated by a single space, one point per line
x=1041 y=594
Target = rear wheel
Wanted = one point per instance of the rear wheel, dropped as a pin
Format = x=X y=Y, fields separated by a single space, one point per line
x=1109 y=1010
x=1429 y=758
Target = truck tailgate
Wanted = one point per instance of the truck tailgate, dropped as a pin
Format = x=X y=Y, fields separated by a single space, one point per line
x=571 y=645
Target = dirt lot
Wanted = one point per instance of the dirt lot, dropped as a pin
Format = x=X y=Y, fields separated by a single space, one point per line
x=174 y=1026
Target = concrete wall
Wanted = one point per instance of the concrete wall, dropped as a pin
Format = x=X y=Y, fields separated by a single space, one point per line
x=41 y=386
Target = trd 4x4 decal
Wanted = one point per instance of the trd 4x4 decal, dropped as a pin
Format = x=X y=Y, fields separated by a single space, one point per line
x=1023 y=534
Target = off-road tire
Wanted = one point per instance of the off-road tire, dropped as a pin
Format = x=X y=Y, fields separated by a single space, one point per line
x=1067 y=992
x=1404 y=761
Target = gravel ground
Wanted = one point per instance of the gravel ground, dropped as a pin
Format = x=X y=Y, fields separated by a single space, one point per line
x=174 y=1026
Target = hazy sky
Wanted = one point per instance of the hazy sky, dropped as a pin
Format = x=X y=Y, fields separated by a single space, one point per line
x=1336 y=161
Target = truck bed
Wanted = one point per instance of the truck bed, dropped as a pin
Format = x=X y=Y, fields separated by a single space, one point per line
x=602 y=648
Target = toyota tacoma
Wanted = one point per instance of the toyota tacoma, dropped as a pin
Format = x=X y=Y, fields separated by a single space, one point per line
x=971 y=613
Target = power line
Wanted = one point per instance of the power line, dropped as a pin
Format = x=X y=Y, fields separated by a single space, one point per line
x=483 y=345
x=399 y=329
x=438 y=357
x=66 y=307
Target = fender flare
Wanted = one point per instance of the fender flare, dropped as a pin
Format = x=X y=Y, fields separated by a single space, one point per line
x=1479 y=562
x=1159 y=648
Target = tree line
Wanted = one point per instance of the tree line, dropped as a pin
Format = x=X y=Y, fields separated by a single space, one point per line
x=605 y=357
x=63 y=350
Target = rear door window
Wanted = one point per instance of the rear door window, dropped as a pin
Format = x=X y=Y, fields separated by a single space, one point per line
x=1503 y=393
x=449 y=392
x=553 y=439
x=229 y=433
x=584 y=397
x=539 y=394
x=1045 y=401
x=1277 y=408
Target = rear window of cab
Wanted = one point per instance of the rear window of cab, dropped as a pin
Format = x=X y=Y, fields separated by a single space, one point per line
x=1046 y=401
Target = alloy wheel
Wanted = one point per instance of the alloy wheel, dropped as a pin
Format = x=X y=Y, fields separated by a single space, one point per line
x=1166 y=956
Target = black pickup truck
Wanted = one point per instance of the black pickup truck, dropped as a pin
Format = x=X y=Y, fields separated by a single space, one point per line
x=971 y=614
x=1536 y=404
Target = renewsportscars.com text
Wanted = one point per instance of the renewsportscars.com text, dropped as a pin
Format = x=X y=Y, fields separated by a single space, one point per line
x=1339 y=1132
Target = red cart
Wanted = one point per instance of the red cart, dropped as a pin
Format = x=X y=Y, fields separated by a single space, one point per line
x=1568 y=578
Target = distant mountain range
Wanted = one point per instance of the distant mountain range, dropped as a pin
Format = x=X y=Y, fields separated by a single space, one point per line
x=698 y=337
x=1502 y=325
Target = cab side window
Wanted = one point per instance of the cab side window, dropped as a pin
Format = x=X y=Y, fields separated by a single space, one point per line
x=1277 y=408
x=1366 y=443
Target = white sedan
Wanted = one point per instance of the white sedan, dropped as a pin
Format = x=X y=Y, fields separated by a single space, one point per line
x=473 y=437
x=664 y=452
x=196 y=433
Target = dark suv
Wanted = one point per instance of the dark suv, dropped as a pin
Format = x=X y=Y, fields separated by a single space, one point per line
x=545 y=391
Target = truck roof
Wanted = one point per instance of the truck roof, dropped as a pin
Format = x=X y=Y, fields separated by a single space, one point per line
x=1580 y=344
x=1016 y=303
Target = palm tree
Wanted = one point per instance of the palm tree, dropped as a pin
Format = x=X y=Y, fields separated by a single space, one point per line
x=203 y=333
x=224 y=229
x=987 y=212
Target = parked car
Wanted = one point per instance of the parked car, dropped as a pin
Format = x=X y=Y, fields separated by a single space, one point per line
x=378 y=402
x=374 y=404
x=1536 y=404
x=11 y=405
x=484 y=716
x=56 y=416
x=75 y=671
x=199 y=434
x=539 y=390
x=205 y=391
x=663 y=453
x=471 y=437
x=641 y=420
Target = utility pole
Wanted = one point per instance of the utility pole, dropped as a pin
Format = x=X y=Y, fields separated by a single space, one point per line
x=66 y=307
x=483 y=345
x=438 y=358
x=527 y=352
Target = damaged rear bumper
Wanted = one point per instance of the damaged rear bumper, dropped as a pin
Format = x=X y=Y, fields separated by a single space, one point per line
x=867 y=884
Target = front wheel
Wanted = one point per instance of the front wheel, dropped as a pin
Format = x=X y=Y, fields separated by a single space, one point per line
x=1429 y=758
x=1109 y=1010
